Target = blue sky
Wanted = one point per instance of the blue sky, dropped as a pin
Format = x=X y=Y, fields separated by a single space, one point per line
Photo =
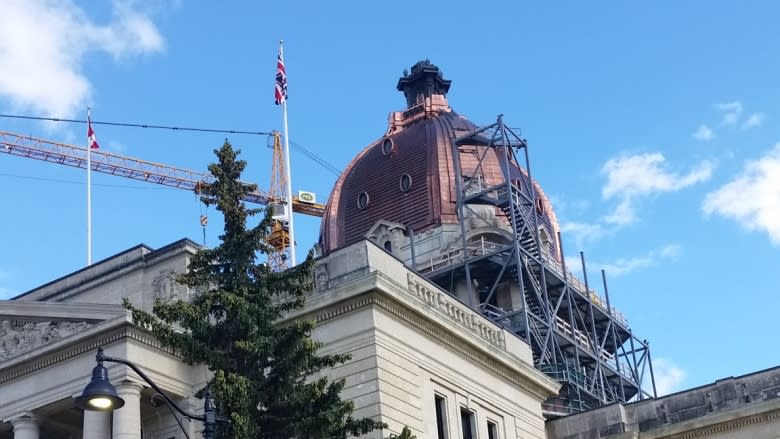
x=651 y=125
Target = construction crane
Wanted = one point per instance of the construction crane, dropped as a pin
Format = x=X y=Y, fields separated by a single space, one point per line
x=129 y=167
x=279 y=236
x=166 y=175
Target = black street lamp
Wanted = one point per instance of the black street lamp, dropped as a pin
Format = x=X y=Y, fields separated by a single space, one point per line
x=100 y=395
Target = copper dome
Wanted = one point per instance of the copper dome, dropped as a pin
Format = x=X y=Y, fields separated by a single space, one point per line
x=407 y=177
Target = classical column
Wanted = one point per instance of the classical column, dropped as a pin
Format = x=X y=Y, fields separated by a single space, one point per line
x=25 y=427
x=127 y=420
x=97 y=425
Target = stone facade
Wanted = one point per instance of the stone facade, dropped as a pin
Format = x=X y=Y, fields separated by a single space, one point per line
x=420 y=357
x=411 y=342
x=49 y=337
x=743 y=407
x=413 y=346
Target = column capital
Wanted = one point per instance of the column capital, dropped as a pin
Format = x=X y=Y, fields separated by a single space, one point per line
x=21 y=417
x=127 y=386
x=25 y=426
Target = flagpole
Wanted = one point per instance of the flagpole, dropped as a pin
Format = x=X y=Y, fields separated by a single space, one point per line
x=89 y=196
x=287 y=169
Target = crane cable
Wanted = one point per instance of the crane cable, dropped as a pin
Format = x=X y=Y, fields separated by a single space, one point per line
x=319 y=160
x=136 y=125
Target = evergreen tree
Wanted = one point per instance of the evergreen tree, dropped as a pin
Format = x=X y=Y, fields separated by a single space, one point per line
x=262 y=380
x=406 y=433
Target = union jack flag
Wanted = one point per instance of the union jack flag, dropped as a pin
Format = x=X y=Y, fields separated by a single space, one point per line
x=281 y=80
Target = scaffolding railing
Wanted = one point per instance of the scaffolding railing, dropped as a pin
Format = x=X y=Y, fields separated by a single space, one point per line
x=595 y=297
x=485 y=246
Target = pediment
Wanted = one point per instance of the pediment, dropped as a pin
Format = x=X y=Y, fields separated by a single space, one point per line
x=382 y=227
x=30 y=326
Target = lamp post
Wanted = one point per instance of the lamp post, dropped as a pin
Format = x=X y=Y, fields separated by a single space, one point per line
x=100 y=395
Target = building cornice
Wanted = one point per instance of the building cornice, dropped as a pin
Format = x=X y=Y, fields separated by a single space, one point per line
x=41 y=311
x=435 y=316
x=716 y=423
x=105 y=271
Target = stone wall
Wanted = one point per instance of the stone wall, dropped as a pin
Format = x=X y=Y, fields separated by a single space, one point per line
x=743 y=407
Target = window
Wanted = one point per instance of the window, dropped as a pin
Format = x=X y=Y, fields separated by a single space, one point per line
x=388 y=246
x=362 y=200
x=441 y=416
x=539 y=206
x=387 y=147
x=492 y=430
x=406 y=182
x=467 y=423
x=544 y=242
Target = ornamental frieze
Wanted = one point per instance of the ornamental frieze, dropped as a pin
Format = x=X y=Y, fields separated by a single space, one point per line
x=19 y=337
x=456 y=312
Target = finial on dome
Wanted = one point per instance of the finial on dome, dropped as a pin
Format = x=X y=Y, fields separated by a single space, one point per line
x=424 y=81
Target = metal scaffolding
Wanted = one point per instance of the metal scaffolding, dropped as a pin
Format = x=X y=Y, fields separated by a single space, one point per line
x=577 y=338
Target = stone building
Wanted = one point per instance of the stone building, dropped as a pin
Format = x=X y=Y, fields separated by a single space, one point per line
x=456 y=202
x=419 y=356
x=440 y=270
x=747 y=406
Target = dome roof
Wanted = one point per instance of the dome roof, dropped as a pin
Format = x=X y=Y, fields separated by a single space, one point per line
x=408 y=175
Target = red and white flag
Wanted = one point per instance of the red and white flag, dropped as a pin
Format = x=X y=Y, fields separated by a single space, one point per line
x=92 y=140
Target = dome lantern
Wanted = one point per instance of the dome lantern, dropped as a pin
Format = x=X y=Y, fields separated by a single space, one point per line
x=424 y=81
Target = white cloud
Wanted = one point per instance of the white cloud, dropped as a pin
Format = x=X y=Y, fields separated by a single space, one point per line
x=668 y=376
x=753 y=197
x=115 y=146
x=582 y=232
x=564 y=206
x=670 y=251
x=643 y=174
x=754 y=120
x=622 y=266
x=43 y=44
x=635 y=176
x=623 y=214
x=730 y=111
x=731 y=114
x=704 y=133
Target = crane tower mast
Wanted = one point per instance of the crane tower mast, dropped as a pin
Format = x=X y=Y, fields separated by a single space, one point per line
x=279 y=236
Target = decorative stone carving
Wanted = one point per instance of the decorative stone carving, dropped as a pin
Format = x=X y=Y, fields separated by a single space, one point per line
x=17 y=338
x=478 y=216
x=165 y=287
x=321 y=277
x=388 y=235
x=456 y=312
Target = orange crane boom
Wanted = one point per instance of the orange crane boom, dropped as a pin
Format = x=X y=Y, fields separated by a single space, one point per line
x=129 y=167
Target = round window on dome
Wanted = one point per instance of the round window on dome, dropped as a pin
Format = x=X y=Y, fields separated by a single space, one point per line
x=387 y=147
x=406 y=182
x=540 y=206
x=362 y=200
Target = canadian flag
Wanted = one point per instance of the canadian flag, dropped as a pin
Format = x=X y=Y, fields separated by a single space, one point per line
x=92 y=140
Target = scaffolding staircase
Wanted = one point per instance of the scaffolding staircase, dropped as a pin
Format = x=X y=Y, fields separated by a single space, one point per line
x=575 y=337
